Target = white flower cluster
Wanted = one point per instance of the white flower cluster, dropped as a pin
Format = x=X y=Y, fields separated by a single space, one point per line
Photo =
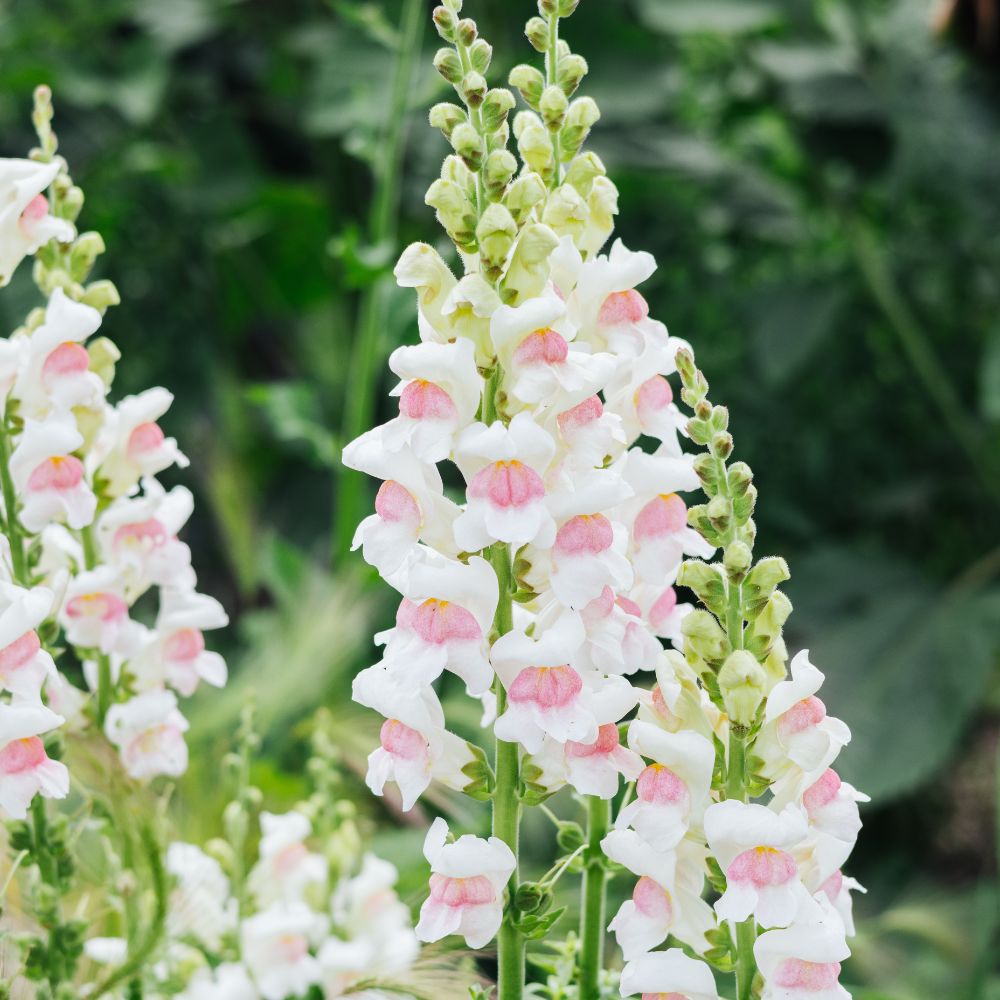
x=88 y=529
x=296 y=932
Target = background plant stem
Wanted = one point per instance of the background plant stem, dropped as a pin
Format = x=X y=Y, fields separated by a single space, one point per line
x=359 y=401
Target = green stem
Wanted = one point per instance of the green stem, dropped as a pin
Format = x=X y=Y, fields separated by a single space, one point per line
x=551 y=78
x=18 y=563
x=593 y=902
x=359 y=407
x=506 y=799
x=746 y=931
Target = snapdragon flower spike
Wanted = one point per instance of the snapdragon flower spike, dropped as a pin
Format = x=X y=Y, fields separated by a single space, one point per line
x=26 y=224
x=149 y=733
x=467 y=884
x=672 y=792
x=505 y=467
x=414 y=745
x=754 y=845
x=668 y=975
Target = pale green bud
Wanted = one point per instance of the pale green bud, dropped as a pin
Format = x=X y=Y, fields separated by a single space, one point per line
x=495 y=233
x=85 y=250
x=455 y=6
x=467 y=31
x=743 y=505
x=104 y=355
x=454 y=210
x=445 y=117
x=481 y=55
x=766 y=625
x=500 y=167
x=719 y=511
x=100 y=295
x=222 y=852
x=498 y=104
x=705 y=636
x=566 y=7
x=481 y=778
x=469 y=145
x=721 y=445
x=583 y=113
x=528 y=268
x=447 y=63
x=566 y=212
x=535 y=148
x=552 y=107
x=737 y=560
x=582 y=172
x=739 y=477
x=743 y=683
x=548 y=8
x=453 y=169
x=473 y=89
x=71 y=202
x=768 y=574
x=529 y=82
x=707 y=583
x=537 y=32
x=603 y=206
x=572 y=69
x=523 y=195
x=446 y=22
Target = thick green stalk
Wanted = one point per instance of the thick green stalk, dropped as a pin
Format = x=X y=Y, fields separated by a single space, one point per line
x=506 y=800
x=593 y=905
x=359 y=407
x=551 y=78
x=18 y=563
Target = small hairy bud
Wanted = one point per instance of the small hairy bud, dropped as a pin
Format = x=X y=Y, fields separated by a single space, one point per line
x=704 y=636
x=535 y=148
x=552 y=107
x=469 y=145
x=583 y=113
x=498 y=104
x=537 y=32
x=523 y=195
x=454 y=210
x=455 y=6
x=583 y=171
x=445 y=21
x=719 y=511
x=86 y=249
x=529 y=82
x=528 y=269
x=566 y=7
x=572 y=69
x=467 y=31
x=447 y=63
x=445 y=116
x=495 y=234
x=737 y=560
x=104 y=355
x=566 y=212
x=473 y=89
x=500 y=167
x=548 y=7
x=100 y=295
x=481 y=55
x=743 y=683
x=740 y=477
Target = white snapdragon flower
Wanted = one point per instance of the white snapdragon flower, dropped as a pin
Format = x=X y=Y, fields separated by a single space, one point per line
x=228 y=981
x=589 y=768
x=149 y=733
x=200 y=905
x=95 y=613
x=754 y=846
x=277 y=948
x=25 y=222
x=617 y=639
x=467 y=883
x=672 y=793
x=24 y=665
x=285 y=868
x=587 y=435
x=670 y=974
x=414 y=745
x=505 y=469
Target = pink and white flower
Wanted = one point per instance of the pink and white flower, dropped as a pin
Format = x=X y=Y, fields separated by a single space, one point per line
x=200 y=904
x=24 y=665
x=26 y=770
x=467 y=884
x=668 y=975
x=132 y=443
x=588 y=435
x=837 y=889
x=228 y=981
x=590 y=768
x=617 y=640
x=504 y=468
x=662 y=612
x=666 y=899
x=95 y=612
x=797 y=733
x=754 y=846
x=25 y=222
x=438 y=397
x=414 y=745
x=49 y=478
x=673 y=791
x=276 y=946
x=285 y=867
x=149 y=733
x=802 y=961
x=443 y=623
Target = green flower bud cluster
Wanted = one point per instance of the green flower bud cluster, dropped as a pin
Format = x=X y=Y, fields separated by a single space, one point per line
x=735 y=640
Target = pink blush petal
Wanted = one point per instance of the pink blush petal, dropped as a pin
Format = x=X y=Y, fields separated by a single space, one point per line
x=461 y=892
x=61 y=472
x=607 y=742
x=653 y=901
x=652 y=396
x=19 y=652
x=402 y=741
x=581 y=415
x=19 y=756
x=423 y=400
x=822 y=792
x=801 y=716
x=546 y=687
x=143 y=440
x=762 y=867
x=812 y=977
x=396 y=504
x=623 y=307
x=66 y=360
x=660 y=786
x=185 y=644
x=104 y=606
x=543 y=347
x=507 y=484
x=440 y=622
x=586 y=534
x=663 y=515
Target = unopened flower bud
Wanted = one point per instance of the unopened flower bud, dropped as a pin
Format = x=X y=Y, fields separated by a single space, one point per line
x=548 y=7
x=104 y=355
x=495 y=234
x=552 y=107
x=581 y=116
x=720 y=512
x=705 y=637
x=535 y=148
x=743 y=506
x=529 y=82
x=481 y=55
x=721 y=444
x=569 y=836
x=532 y=898
x=87 y=247
x=582 y=172
x=603 y=205
x=742 y=681
x=706 y=582
x=566 y=7
x=523 y=195
x=739 y=477
x=572 y=69
x=100 y=295
x=768 y=574
x=766 y=625
x=445 y=21
x=537 y=32
x=469 y=145
x=445 y=117
x=498 y=104
x=473 y=89
x=500 y=167
x=737 y=560
x=566 y=212
x=447 y=63
x=454 y=210
x=455 y=6
x=707 y=470
x=527 y=272
x=467 y=31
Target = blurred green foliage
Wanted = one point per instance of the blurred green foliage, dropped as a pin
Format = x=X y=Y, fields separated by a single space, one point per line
x=819 y=183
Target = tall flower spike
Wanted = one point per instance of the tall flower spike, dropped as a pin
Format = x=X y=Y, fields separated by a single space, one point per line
x=541 y=375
